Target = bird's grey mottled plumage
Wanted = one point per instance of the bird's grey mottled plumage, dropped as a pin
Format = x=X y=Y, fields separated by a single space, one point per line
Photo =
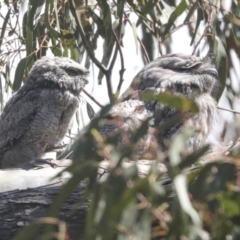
x=126 y=116
x=36 y=117
x=182 y=75
x=123 y=120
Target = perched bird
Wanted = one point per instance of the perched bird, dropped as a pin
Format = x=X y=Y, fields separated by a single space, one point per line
x=36 y=117
x=126 y=116
x=182 y=75
x=114 y=130
x=124 y=120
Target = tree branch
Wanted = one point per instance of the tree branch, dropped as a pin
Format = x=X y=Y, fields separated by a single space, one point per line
x=92 y=98
x=105 y=71
x=140 y=42
x=85 y=43
x=228 y=110
x=121 y=72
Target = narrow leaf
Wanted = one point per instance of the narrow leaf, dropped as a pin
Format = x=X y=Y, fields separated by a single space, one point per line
x=179 y=102
x=4 y=24
x=18 y=79
x=90 y=111
x=134 y=30
x=52 y=31
x=200 y=17
x=175 y=14
x=35 y=11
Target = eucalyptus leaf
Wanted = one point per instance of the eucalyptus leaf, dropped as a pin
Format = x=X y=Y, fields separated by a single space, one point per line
x=90 y=111
x=175 y=14
x=4 y=25
x=18 y=79
x=179 y=102
x=200 y=17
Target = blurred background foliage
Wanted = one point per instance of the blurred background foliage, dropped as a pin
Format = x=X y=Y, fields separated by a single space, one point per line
x=190 y=202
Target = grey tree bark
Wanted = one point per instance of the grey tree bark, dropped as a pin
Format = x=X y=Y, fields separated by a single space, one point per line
x=19 y=207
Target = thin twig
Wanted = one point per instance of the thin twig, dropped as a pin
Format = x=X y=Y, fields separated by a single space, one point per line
x=204 y=34
x=140 y=42
x=85 y=42
x=174 y=30
x=116 y=39
x=228 y=110
x=156 y=33
x=104 y=70
x=118 y=49
x=44 y=40
x=121 y=72
x=92 y=98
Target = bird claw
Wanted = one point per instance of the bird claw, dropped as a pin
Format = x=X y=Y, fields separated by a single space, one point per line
x=37 y=162
x=58 y=148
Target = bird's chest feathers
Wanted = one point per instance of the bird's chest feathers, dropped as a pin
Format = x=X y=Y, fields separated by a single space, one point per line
x=60 y=98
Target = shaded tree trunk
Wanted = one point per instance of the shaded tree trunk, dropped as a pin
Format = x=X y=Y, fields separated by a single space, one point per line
x=19 y=207
x=38 y=192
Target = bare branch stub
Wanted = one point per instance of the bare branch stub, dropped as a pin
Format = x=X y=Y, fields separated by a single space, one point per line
x=92 y=98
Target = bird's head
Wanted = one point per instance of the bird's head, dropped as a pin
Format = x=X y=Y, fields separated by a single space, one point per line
x=178 y=71
x=129 y=114
x=60 y=72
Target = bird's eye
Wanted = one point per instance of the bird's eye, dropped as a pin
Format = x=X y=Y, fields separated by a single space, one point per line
x=139 y=108
x=109 y=117
x=72 y=72
x=212 y=71
x=189 y=65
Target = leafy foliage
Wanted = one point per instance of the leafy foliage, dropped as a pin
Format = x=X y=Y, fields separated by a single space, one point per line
x=190 y=202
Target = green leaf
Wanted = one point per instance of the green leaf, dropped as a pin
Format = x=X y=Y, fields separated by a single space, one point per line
x=81 y=171
x=107 y=20
x=200 y=17
x=120 y=7
x=135 y=36
x=99 y=22
x=29 y=232
x=7 y=76
x=146 y=9
x=24 y=25
x=107 y=53
x=29 y=32
x=166 y=13
x=191 y=12
x=67 y=34
x=180 y=186
x=82 y=147
x=179 y=102
x=232 y=19
x=90 y=111
x=18 y=79
x=175 y=14
x=108 y=38
x=52 y=31
x=193 y=157
x=221 y=61
x=137 y=221
x=212 y=179
x=179 y=145
x=56 y=50
x=1 y=92
x=3 y=28
x=35 y=11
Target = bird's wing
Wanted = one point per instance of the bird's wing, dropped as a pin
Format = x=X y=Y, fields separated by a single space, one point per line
x=15 y=118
